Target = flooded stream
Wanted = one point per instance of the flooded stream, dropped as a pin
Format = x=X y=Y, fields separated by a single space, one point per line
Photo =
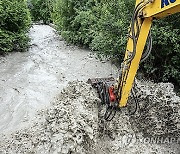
x=30 y=80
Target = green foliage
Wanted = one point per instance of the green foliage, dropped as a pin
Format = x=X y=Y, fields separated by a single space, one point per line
x=103 y=25
x=99 y=24
x=41 y=10
x=74 y=20
x=14 y=24
x=164 y=62
x=111 y=29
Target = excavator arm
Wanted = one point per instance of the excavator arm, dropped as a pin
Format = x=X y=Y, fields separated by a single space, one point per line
x=144 y=13
x=115 y=93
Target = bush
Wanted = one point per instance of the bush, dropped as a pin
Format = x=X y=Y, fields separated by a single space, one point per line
x=103 y=25
x=41 y=10
x=74 y=20
x=164 y=62
x=14 y=24
x=111 y=29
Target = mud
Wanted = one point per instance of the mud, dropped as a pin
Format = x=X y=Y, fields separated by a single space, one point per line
x=30 y=80
x=73 y=124
x=37 y=118
x=159 y=109
x=68 y=125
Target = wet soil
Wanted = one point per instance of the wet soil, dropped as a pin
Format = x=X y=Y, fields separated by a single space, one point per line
x=42 y=112
x=73 y=123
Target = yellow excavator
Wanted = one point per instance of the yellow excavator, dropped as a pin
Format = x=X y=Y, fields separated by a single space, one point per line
x=115 y=93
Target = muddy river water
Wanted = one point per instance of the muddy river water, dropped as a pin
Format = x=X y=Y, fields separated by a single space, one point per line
x=30 y=80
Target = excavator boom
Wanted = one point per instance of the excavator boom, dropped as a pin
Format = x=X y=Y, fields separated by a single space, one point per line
x=115 y=93
x=145 y=12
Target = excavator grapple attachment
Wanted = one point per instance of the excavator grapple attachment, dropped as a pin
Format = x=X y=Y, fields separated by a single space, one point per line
x=107 y=93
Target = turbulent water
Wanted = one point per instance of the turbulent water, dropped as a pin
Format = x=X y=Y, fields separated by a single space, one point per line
x=68 y=117
x=30 y=80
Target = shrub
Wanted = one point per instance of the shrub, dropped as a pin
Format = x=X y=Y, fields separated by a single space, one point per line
x=111 y=29
x=41 y=10
x=14 y=24
x=164 y=62
x=74 y=20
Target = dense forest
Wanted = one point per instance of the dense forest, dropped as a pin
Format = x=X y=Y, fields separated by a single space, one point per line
x=100 y=25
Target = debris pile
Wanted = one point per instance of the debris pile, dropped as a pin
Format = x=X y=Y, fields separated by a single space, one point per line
x=159 y=109
x=73 y=124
